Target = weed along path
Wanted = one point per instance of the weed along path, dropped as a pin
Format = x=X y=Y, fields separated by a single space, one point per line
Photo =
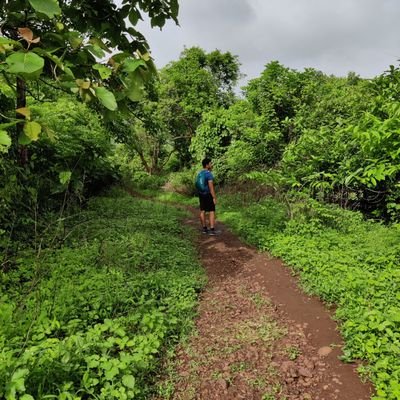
x=258 y=335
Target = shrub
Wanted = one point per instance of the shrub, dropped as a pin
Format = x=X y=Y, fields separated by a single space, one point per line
x=183 y=182
x=142 y=180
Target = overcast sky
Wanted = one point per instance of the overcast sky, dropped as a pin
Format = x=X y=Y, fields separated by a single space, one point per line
x=334 y=36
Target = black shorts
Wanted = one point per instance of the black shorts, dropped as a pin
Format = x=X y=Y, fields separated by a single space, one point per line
x=206 y=202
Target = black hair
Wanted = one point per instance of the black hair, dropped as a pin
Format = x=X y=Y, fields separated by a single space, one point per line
x=206 y=161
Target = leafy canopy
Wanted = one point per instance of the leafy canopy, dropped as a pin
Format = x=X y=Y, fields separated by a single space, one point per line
x=89 y=47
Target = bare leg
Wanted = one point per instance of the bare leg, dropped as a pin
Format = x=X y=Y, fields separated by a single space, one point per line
x=203 y=218
x=212 y=219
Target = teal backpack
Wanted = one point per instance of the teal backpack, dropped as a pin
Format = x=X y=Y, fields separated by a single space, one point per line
x=201 y=184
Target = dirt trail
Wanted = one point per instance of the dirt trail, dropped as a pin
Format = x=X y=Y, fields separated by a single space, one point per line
x=258 y=335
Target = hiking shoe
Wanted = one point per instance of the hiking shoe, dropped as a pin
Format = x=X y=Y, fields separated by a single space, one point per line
x=205 y=230
x=212 y=232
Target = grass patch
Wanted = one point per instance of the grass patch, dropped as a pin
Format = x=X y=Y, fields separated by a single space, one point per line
x=167 y=196
x=259 y=300
x=95 y=317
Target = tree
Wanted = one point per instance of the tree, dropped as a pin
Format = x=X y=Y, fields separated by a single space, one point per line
x=196 y=83
x=236 y=140
x=83 y=46
x=275 y=95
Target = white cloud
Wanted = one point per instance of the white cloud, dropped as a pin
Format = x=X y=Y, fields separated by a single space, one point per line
x=333 y=36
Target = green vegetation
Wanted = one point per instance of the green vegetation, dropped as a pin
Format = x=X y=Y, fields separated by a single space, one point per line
x=317 y=142
x=68 y=45
x=345 y=260
x=95 y=290
x=92 y=318
x=71 y=162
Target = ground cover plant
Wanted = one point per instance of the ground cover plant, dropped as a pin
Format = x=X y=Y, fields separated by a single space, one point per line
x=347 y=261
x=92 y=318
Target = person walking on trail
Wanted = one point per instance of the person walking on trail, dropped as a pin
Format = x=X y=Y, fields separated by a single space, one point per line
x=206 y=191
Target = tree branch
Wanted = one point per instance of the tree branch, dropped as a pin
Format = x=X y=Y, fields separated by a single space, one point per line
x=54 y=87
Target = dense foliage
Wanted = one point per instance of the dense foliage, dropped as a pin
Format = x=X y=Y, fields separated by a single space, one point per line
x=334 y=138
x=82 y=46
x=70 y=162
x=53 y=151
x=349 y=262
x=313 y=139
x=90 y=299
x=92 y=318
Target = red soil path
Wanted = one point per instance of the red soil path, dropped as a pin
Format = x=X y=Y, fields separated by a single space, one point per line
x=258 y=335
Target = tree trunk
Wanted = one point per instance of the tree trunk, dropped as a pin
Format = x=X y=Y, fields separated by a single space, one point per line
x=143 y=160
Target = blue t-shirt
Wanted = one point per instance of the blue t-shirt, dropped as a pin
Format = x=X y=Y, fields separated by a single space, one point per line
x=205 y=176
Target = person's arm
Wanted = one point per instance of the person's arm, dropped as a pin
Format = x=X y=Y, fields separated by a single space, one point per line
x=212 y=190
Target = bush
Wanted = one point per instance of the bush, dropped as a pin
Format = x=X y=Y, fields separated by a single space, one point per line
x=66 y=165
x=183 y=182
x=143 y=181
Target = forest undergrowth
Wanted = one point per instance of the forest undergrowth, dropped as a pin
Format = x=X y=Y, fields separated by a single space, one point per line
x=93 y=317
x=347 y=261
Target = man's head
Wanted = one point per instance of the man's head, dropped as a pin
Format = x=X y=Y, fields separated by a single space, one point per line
x=207 y=164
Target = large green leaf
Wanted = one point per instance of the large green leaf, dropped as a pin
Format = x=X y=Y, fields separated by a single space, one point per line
x=104 y=71
x=27 y=64
x=65 y=177
x=75 y=39
x=106 y=98
x=129 y=381
x=174 y=9
x=134 y=17
x=32 y=130
x=96 y=51
x=99 y=43
x=135 y=91
x=130 y=64
x=5 y=141
x=158 y=20
x=47 y=7
x=134 y=84
x=23 y=139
